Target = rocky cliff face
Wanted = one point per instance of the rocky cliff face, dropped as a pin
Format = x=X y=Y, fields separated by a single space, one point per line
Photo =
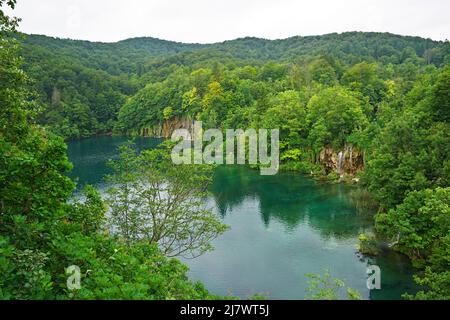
x=165 y=129
x=349 y=160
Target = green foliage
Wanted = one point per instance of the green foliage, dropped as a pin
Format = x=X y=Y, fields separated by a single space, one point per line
x=7 y=24
x=288 y=114
x=83 y=84
x=407 y=171
x=42 y=233
x=420 y=222
x=420 y=225
x=155 y=201
x=323 y=72
x=437 y=284
x=110 y=270
x=87 y=216
x=335 y=114
x=440 y=102
x=79 y=102
x=368 y=245
x=363 y=78
x=411 y=151
x=325 y=287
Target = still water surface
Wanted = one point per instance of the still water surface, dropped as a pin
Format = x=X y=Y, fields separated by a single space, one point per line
x=282 y=227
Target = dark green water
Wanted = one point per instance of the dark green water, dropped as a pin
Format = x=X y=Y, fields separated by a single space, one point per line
x=282 y=227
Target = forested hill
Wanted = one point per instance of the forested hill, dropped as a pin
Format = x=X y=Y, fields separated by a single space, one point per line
x=349 y=46
x=82 y=85
x=126 y=56
x=132 y=55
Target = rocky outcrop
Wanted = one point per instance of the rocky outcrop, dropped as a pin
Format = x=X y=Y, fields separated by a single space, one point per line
x=348 y=161
x=165 y=129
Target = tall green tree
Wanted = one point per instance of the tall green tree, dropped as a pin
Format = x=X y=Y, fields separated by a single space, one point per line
x=156 y=201
x=333 y=115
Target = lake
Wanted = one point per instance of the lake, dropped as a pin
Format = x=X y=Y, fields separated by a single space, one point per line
x=282 y=228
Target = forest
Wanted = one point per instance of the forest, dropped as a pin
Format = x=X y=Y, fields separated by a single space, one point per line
x=356 y=107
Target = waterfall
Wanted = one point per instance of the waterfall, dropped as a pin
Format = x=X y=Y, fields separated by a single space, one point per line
x=351 y=157
x=340 y=162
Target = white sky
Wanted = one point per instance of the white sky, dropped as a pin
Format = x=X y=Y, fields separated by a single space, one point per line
x=207 y=21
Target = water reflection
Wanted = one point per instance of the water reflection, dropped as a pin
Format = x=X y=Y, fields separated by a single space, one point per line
x=291 y=200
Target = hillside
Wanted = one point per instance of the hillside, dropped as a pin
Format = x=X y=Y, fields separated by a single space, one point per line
x=82 y=85
x=130 y=55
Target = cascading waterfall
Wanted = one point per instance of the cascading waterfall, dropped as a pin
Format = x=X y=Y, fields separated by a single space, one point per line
x=340 y=162
x=351 y=157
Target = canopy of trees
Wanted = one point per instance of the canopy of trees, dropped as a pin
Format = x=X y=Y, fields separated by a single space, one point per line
x=83 y=84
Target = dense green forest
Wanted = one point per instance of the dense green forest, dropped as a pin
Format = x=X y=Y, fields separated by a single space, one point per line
x=83 y=85
x=379 y=102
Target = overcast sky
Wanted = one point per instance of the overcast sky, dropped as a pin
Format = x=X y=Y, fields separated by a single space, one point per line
x=207 y=21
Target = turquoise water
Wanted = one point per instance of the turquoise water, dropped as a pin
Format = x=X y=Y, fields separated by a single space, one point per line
x=282 y=227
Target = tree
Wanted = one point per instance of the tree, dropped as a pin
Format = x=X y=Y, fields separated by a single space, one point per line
x=7 y=24
x=32 y=162
x=440 y=102
x=436 y=285
x=419 y=226
x=325 y=287
x=410 y=152
x=323 y=72
x=214 y=105
x=161 y=203
x=363 y=78
x=333 y=115
x=287 y=112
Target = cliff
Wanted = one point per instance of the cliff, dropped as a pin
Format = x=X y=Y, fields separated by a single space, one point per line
x=349 y=160
x=165 y=129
